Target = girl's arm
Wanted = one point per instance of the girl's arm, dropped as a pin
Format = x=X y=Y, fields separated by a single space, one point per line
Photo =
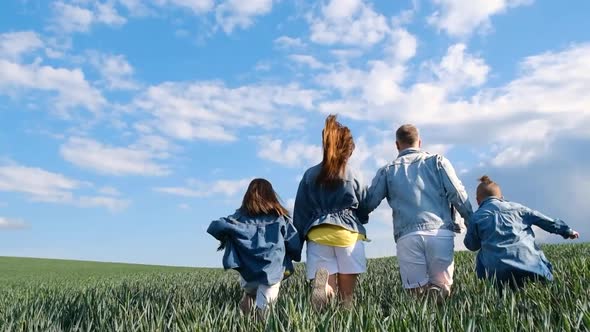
x=472 y=240
x=292 y=242
x=555 y=226
x=361 y=191
x=218 y=229
x=301 y=211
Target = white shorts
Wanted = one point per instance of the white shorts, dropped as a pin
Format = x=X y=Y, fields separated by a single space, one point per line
x=264 y=294
x=344 y=260
x=425 y=259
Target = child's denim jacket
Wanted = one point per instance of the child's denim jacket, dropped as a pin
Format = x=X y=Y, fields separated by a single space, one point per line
x=316 y=204
x=502 y=232
x=420 y=189
x=260 y=248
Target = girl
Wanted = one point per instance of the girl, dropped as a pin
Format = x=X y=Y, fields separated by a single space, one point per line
x=328 y=214
x=260 y=243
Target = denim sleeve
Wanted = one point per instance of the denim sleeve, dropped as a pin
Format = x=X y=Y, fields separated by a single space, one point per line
x=361 y=195
x=292 y=241
x=555 y=226
x=301 y=211
x=377 y=191
x=218 y=228
x=472 y=240
x=454 y=189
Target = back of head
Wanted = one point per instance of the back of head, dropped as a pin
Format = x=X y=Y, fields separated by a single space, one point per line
x=407 y=136
x=487 y=188
x=338 y=146
x=261 y=199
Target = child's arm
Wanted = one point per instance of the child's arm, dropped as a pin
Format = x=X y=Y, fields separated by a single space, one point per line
x=472 y=240
x=377 y=191
x=456 y=194
x=218 y=229
x=555 y=226
x=292 y=241
x=361 y=195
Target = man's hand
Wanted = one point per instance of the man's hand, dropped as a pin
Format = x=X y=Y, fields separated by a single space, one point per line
x=574 y=235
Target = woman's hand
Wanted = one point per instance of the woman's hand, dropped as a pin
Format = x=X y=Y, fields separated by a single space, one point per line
x=573 y=235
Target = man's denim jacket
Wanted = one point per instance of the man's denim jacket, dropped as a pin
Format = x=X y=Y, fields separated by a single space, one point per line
x=342 y=206
x=421 y=189
x=502 y=232
x=260 y=248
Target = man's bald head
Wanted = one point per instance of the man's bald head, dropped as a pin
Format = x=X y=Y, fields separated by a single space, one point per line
x=407 y=136
x=487 y=188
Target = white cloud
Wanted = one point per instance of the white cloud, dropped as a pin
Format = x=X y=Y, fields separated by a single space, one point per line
x=459 y=69
x=14 y=44
x=109 y=191
x=402 y=46
x=289 y=42
x=306 y=60
x=459 y=18
x=291 y=154
x=238 y=13
x=71 y=17
x=197 y=6
x=199 y=189
x=104 y=159
x=12 y=224
x=70 y=85
x=211 y=111
x=350 y=22
x=44 y=186
x=116 y=72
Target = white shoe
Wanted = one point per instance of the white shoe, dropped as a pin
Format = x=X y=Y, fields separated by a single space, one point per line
x=319 y=295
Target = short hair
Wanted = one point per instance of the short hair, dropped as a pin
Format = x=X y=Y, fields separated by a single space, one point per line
x=488 y=188
x=407 y=134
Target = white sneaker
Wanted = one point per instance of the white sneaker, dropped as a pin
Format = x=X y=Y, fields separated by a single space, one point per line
x=319 y=295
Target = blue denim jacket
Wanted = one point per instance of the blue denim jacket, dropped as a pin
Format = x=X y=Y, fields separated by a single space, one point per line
x=341 y=206
x=420 y=188
x=260 y=248
x=502 y=232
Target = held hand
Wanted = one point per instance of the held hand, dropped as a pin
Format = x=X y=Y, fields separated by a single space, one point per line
x=574 y=235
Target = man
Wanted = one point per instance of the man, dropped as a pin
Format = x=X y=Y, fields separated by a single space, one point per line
x=422 y=189
x=502 y=232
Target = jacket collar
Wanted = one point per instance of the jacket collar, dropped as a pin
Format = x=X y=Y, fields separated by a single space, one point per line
x=489 y=199
x=407 y=151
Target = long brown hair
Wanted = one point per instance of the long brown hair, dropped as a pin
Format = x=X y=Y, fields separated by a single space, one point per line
x=261 y=198
x=338 y=147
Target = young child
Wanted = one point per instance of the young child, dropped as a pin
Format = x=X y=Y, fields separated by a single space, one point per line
x=502 y=232
x=260 y=243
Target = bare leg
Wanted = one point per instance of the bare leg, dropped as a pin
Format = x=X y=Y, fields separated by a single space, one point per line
x=346 y=285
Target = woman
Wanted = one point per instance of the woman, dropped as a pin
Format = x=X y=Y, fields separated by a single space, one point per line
x=329 y=216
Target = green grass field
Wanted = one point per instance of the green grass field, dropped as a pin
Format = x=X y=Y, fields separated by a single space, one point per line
x=54 y=295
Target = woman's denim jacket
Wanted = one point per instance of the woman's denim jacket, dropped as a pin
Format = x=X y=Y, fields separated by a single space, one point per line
x=316 y=204
x=260 y=248
x=502 y=232
x=421 y=189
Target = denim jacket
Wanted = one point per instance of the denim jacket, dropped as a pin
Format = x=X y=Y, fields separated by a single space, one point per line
x=502 y=232
x=421 y=189
x=260 y=248
x=341 y=206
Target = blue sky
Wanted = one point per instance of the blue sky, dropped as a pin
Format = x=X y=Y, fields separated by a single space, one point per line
x=126 y=126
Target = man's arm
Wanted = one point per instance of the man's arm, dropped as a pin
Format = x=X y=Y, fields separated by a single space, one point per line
x=455 y=192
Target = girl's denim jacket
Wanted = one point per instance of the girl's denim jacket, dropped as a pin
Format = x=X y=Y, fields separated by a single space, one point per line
x=422 y=189
x=260 y=248
x=342 y=206
x=502 y=232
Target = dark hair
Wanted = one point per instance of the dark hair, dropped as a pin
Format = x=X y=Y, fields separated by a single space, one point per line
x=260 y=199
x=407 y=134
x=487 y=188
x=338 y=146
